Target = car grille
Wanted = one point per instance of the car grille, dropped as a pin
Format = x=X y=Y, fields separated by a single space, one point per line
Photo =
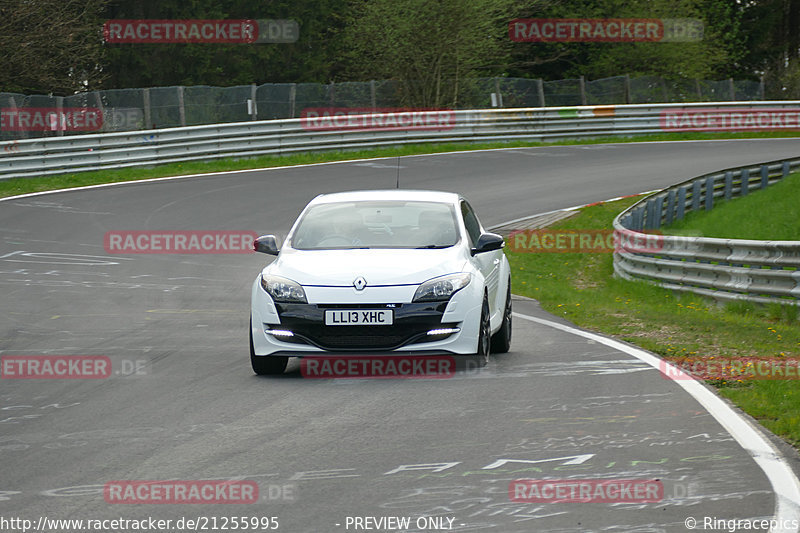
x=359 y=341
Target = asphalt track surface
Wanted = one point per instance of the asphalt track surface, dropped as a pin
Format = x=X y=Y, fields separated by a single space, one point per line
x=558 y=405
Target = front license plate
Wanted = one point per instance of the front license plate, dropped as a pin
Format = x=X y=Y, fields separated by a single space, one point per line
x=358 y=317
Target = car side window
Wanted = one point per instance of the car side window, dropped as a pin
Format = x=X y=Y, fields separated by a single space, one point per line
x=471 y=223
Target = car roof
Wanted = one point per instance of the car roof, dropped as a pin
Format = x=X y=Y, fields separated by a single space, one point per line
x=388 y=194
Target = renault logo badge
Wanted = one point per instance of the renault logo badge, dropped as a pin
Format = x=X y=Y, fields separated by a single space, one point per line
x=360 y=283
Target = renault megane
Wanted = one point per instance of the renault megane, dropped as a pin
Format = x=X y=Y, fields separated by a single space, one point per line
x=394 y=272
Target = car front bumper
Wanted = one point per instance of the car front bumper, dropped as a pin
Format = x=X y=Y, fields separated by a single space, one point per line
x=412 y=332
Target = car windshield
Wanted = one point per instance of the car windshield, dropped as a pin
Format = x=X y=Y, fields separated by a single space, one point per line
x=383 y=224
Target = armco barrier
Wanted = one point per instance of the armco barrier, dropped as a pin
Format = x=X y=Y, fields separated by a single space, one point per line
x=74 y=153
x=725 y=269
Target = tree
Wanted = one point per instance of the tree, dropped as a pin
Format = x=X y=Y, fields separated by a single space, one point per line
x=50 y=46
x=430 y=47
x=312 y=58
x=710 y=57
x=771 y=30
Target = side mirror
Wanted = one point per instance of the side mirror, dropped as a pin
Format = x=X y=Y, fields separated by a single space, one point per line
x=266 y=244
x=487 y=242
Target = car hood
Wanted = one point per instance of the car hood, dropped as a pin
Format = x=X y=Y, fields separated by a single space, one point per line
x=339 y=268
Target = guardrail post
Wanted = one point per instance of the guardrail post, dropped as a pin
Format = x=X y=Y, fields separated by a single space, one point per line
x=696 y=195
x=728 y=184
x=148 y=122
x=764 y=176
x=787 y=167
x=638 y=219
x=681 y=203
x=654 y=206
x=670 y=206
x=709 y=193
x=540 y=88
x=181 y=106
x=744 y=188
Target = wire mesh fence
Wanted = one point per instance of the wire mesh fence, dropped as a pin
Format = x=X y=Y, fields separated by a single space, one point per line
x=29 y=116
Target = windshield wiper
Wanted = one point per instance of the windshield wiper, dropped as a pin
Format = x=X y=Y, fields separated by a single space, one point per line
x=431 y=246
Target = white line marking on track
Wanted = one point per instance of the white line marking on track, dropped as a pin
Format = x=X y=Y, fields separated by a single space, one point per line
x=781 y=476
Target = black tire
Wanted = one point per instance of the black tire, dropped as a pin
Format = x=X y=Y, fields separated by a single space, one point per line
x=501 y=341
x=265 y=365
x=484 y=335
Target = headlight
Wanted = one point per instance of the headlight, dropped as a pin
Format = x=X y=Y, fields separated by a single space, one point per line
x=442 y=288
x=282 y=289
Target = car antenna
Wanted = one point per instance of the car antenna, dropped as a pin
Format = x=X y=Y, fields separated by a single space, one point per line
x=398 y=171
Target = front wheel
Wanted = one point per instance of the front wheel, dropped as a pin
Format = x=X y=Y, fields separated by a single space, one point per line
x=484 y=335
x=501 y=341
x=265 y=365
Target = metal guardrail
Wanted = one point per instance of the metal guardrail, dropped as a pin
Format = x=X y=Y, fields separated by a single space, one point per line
x=75 y=153
x=724 y=269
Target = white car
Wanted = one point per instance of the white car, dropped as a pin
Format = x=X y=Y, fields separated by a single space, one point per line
x=395 y=272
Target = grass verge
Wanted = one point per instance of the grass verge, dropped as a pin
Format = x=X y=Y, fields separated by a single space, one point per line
x=744 y=218
x=14 y=186
x=581 y=288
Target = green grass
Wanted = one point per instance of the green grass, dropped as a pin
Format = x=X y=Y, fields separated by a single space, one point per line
x=13 y=187
x=769 y=214
x=582 y=289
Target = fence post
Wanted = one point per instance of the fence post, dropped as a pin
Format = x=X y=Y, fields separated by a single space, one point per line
x=583 y=90
x=292 y=99
x=181 y=106
x=628 y=89
x=253 y=90
x=698 y=89
x=761 y=91
x=372 y=98
x=499 y=94
x=13 y=104
x=332 y=93
x=732 y=89
x=60 y=116
x=540 y=87
x=148 y=118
